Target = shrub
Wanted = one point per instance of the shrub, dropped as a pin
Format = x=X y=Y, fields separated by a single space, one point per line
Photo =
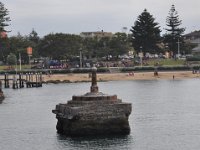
x=196 y=68
x=195 y=58
x=160 y=68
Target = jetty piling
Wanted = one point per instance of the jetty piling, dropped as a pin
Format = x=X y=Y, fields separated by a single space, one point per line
x=6 y=81
x=18 y=80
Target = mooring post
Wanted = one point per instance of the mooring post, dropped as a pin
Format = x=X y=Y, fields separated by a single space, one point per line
x=94 y=88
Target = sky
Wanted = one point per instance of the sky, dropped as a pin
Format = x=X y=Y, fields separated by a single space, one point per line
x=76 y=16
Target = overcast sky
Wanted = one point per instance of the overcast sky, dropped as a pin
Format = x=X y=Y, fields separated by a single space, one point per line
x=75 y=16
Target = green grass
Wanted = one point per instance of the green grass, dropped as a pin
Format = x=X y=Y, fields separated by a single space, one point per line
x=151 y=62
x=5 y=67
x=165 y=62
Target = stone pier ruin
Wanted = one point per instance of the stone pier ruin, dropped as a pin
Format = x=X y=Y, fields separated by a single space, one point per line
x=93 y=113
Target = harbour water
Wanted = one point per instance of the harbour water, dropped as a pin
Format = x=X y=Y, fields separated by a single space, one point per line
x=166 y=115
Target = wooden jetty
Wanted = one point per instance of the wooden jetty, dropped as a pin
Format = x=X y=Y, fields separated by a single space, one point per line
x=20 y=80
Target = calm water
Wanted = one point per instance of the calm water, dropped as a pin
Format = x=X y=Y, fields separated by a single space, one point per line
x=166 y=116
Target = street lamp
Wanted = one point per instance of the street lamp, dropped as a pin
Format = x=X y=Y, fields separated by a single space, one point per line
x=141 y=55
x=178 y=47
x=20 y=62
x=80 y=58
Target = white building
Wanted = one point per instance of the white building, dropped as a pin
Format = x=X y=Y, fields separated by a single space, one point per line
x=98 y=34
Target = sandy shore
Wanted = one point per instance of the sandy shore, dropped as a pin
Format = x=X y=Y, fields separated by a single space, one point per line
x=120 y=76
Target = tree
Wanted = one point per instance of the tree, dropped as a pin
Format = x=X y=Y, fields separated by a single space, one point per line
x=103 y=48
x=34 y=40
x=119 y=44
x=60 y=46
x=4 y=22
x=4 y=19
x=174 y=32
x=4 y=48
x=145 y=33
x=18 y=45
x=11 y=59
x=90 y=46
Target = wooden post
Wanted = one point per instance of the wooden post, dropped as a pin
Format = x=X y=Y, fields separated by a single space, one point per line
x=31 y=77
x=14 y=82
x=26 y=76
x=6 y=81
x=20 y=81
x=40 y=79
x=36 y=79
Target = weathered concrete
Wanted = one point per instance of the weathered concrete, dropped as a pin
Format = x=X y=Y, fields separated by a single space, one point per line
x=93 y=113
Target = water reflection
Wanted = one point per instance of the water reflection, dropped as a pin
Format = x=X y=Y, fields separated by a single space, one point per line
x=95 y=142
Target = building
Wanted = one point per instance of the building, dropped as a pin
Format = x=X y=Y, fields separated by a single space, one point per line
x=98 y=34
x=194 y=38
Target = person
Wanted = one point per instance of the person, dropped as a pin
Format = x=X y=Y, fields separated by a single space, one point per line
x=90 y=75
x=131 y=73
x=155 y=73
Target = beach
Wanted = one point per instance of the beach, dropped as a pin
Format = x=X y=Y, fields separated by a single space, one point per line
x=120 y=76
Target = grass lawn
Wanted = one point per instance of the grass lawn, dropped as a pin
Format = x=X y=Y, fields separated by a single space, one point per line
x=5 y=67
x=165 y=62
x=150 y=62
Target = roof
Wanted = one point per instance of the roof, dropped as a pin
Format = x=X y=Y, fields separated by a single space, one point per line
x=196 y=49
